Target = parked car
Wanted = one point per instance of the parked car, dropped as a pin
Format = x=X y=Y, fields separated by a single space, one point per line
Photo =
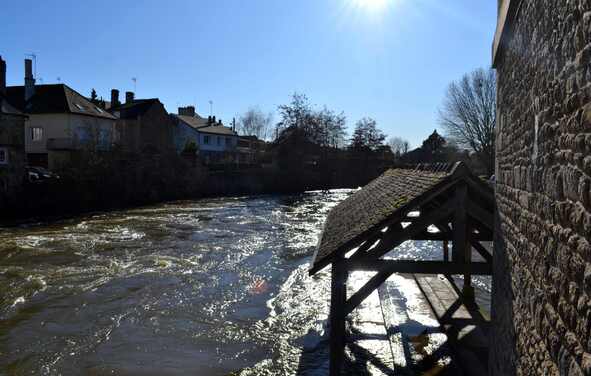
x=37 y=175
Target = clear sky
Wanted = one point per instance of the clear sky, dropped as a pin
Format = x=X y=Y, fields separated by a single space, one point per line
x=387 y=59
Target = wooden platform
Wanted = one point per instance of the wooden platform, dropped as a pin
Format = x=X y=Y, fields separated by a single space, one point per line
x=415 y=325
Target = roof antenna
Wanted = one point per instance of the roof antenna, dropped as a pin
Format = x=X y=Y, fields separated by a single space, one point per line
x=134 y=79
x=210 y=107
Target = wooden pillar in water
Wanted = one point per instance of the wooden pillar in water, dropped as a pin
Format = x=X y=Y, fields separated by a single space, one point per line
x=337 y=315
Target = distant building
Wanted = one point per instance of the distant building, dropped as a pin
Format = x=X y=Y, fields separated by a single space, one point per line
x=250 y=150
x=143 y=125
x=12 y=145
x=215 y=141
x=59 y=119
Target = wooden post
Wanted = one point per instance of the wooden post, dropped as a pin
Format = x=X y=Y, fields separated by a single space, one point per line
x=460 y=224
x=337 y=315
x=462 y=250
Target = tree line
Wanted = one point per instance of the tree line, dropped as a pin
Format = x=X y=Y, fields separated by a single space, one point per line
x=467 y=116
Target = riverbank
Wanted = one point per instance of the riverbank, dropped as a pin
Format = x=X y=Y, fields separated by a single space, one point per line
x=122 y=185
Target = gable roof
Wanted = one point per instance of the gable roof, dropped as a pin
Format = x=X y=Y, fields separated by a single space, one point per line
x=219 y=130
x=193 y=121
x=54 y=99
x=383 y=200
x=134 y=109
x=7 y=109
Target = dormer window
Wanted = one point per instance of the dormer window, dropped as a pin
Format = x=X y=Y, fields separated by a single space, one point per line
x=79 y=107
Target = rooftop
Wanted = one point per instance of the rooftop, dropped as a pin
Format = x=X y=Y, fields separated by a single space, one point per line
x=56 y=98
x=380 y=203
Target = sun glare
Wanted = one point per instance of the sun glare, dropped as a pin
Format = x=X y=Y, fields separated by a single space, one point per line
x=372 y=5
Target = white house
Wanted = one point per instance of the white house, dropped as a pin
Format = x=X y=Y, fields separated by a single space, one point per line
x=214 y=140
x=59 y=118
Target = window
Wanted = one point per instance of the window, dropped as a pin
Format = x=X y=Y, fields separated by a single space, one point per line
x=206 y=140
x=36 y=133
x=79 y=107
x=228 y=141
x=218 y=138
x=3 y=156
x=99 y=110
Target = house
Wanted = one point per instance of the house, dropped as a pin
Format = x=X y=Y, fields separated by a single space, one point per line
x=59 y=120
x=250 y=150
x=12 y=145
x=143 y=125
x=215 y=141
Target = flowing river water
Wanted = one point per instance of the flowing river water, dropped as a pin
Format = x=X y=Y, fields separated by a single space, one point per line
x=206 y=287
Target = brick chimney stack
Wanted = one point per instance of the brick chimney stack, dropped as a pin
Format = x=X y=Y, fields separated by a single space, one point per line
x=2 y=76
x=29 y=80
x=114 y=98
x=187 y=111
x=128 y=97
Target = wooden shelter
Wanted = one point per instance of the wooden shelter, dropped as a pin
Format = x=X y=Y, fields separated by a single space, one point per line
x=374 y=220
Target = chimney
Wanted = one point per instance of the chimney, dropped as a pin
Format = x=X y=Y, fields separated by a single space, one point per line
x=213 y=120
x=114 y=98
x=2 y=76
x=209 y=120
x=29 y=80
x=187 y=111
x=128 y=97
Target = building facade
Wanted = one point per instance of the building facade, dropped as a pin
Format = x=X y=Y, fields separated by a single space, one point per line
x=143 y=125
x=214 y=141
x=542 y=259
x=59 y=120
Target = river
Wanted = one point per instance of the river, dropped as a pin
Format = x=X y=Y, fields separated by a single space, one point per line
x=207 y=287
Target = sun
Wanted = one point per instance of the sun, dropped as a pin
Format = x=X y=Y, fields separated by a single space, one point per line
x=372 y=5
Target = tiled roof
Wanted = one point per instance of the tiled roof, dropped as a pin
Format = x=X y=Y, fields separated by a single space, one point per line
x=7 y=109
x=218 y=129
x=58 y=98
x=193 y=121
x=370 y=208
x=134 y=109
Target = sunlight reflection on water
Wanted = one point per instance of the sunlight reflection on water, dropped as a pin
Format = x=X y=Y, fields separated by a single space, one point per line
x=209 y=287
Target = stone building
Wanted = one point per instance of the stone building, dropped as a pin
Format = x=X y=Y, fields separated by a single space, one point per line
x=143 y=125
x=542 y=273
x=12 y=145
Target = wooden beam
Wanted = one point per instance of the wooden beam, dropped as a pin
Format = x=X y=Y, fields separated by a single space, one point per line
x=483 y=216
x=481 y=250
x=460 y=225
x=338 y=299
x=399 y=216
x=393 y=240
x=366 y=290
x=420 y=267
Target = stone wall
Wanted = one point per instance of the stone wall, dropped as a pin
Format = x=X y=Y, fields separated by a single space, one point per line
x=542 y=272
x=12 y=173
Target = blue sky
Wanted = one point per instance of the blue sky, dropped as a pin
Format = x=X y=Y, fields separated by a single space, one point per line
x=391 y=62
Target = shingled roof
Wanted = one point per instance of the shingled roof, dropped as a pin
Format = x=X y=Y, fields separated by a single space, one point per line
x=372 y=208
x=54 y=98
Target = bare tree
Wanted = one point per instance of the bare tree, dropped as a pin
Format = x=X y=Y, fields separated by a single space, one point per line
x=255 y=123
x=398 y=145
x=468 y=114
